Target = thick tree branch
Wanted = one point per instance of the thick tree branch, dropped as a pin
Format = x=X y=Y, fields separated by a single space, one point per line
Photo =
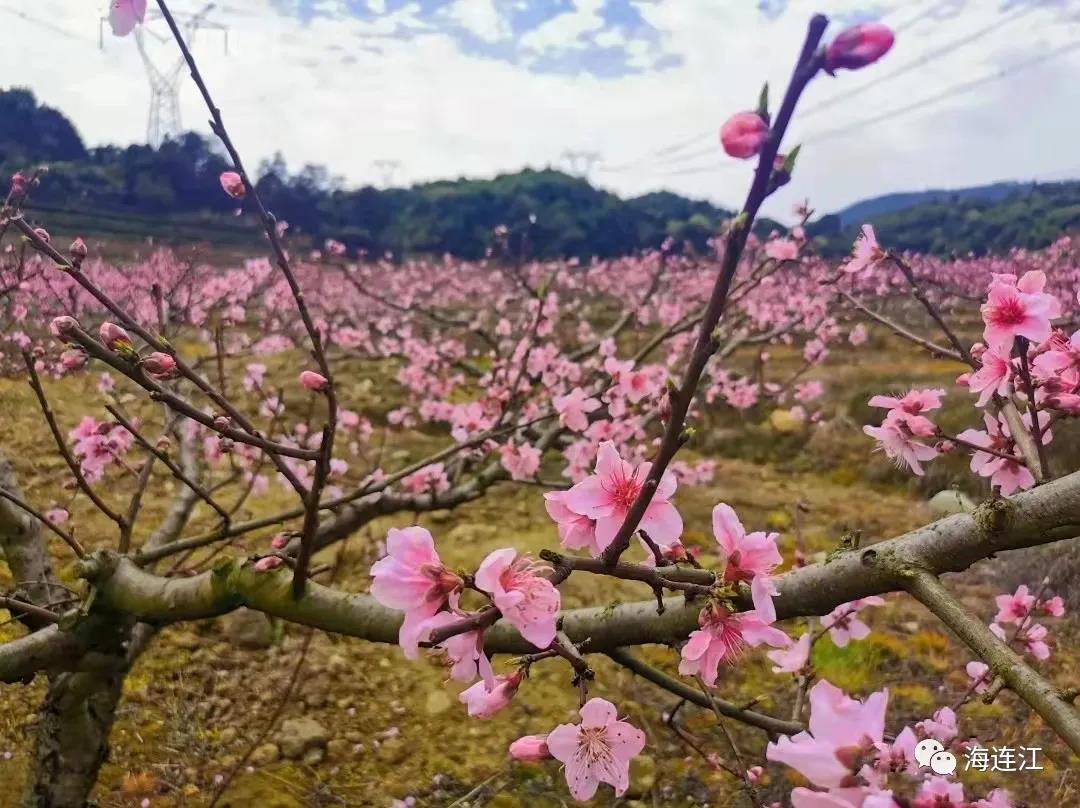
x=1022 y=679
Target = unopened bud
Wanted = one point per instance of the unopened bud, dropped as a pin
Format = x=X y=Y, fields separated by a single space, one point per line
x=945 y=446
x=858 y=46
x=19 y=184
x=159 y=365
x=226 y=446
x=531 y=749
x=42 y=234
x=743 y=135
x=222 y=422
x=78 y=249
x=313 y=381
x=268 y=563
x=63 y=326
x=163 y=443
x=233 y=184
x=114 y=337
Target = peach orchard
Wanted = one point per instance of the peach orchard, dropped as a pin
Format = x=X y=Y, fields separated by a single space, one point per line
x=583 y=381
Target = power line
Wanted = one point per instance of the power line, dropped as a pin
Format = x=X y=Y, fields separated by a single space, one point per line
x=944 y=50
x=45 y=24
x=670 y=153
x=956 y=89
x=892 y=114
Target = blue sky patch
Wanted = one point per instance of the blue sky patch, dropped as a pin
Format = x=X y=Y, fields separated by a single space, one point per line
x=619 y=44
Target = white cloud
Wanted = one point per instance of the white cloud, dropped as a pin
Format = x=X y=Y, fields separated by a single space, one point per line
x=344 y=92
x=481 y=17
x=564 y=29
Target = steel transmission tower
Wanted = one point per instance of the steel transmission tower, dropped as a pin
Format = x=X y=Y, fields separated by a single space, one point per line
x=581 y=162
x=387 y=169
x=163 y=121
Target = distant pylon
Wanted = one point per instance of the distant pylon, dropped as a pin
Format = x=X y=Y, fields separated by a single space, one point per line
x=163 y=120
x=581 y=162
x=387 y=169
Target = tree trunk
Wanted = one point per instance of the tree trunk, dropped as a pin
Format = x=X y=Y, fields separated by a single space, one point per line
x=77 y=716
x=73 y=738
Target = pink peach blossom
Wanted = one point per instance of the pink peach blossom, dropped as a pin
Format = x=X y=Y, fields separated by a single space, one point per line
x=994 y=377
x=1017 y=308
x=978 y=672
x=521 y=462
x=1016 y=607
x=528 y=601
x=464 y=652
x=574 y=407
x=484 y=700
x=866 y=252
x=782 y=249
x=1008 y=475
x=792 y=659
x=896 y=439
x=412 y=578
x=939 y=792
x=598 y=750
x=724 y=635
x=839 y=725
x=913 y=402
x=842 y=623
x=124 y=15
x=747 y=557
x=576 y=531
x=607 y=494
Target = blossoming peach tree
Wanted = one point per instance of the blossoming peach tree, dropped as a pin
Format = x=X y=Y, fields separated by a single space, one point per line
x=606 y=366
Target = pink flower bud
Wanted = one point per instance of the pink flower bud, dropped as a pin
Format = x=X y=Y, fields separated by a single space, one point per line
x=744 y=134
x=313 y=381
x=233 y=184
x=78 y=249
x=279 y=542
x=72 y=359
x=63 y=326
x=858 y=46
x=19 y=184
x=163 y=443
x=945 y=446
x=222 y=422
x=531 y=749
x=114 y=337
x=267 y=563
x=754 y=774
x=42 y=234
x=159 y=365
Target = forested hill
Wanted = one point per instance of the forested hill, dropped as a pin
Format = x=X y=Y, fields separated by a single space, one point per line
x=172 y=193
x=988 y=219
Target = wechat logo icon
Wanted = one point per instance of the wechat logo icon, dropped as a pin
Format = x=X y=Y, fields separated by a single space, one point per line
x=931 y=754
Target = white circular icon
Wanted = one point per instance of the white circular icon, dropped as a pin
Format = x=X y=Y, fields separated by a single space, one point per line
x=926 y=749
x=943 y=763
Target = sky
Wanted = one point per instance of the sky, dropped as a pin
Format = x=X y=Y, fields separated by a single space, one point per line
x=974 y=91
